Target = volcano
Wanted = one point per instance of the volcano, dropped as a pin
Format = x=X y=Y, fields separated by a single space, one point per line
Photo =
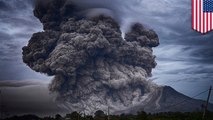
x=94 y=66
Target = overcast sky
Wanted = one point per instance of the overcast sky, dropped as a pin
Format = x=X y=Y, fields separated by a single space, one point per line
x=184 y=57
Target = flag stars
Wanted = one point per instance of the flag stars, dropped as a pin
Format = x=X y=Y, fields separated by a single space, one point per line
x=208 y=6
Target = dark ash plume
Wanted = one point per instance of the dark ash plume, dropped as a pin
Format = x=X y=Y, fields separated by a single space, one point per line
x=94 y=67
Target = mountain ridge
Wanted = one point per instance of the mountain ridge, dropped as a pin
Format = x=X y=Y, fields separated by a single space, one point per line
x=169 y=100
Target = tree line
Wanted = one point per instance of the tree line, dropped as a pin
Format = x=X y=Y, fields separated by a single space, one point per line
x=100 y=115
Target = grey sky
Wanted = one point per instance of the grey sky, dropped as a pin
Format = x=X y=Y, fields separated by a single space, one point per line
x=184 y=57
x=15 y=99
x=17 y=24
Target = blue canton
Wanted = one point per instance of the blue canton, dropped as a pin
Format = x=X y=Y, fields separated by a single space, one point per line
x=207 y=5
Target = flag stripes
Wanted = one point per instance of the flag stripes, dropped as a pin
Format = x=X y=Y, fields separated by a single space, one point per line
x=201 y=21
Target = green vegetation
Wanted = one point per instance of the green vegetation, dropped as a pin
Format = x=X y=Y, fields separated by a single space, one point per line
x=99 y=115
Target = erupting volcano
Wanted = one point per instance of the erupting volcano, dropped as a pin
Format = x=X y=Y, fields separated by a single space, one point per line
x=94 y=67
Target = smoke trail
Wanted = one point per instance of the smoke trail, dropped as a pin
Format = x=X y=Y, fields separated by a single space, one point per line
x=92 y=65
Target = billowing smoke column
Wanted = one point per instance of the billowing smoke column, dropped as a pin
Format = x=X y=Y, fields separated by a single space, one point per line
x=93 y=66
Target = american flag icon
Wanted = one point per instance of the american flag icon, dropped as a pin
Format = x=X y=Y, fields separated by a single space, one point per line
x=202 y=15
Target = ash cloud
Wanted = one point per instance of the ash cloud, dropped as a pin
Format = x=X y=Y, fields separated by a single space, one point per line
x=93 y=66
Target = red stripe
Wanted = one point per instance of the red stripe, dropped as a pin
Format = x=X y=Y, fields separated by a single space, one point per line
x=203 y=22
x=207 y=22
x=210 y=21
x=192 y=14
x=200 y=15
x=197 y=14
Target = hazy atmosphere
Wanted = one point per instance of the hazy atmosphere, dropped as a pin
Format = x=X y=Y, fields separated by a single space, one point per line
x=184 y=57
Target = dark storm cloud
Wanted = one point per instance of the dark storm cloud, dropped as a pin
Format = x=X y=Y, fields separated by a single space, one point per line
x=199 y=47
x=15 y=19
x=11 y=46
x=15 y=83
x=10 y=5
x=5 y=37
x=17 y=23
x=4 y=6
